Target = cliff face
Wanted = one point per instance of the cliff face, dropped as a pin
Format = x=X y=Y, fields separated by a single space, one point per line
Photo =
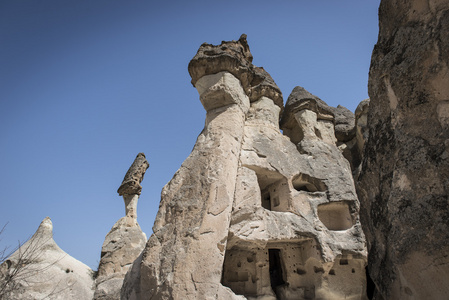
x=252 y=212
x=403 y=184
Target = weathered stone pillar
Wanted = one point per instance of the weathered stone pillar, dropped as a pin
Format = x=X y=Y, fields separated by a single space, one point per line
x=125 y=241
x=183 y=259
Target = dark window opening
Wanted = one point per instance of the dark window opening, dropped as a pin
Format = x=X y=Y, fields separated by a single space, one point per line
x=306 y=183
x=276 y=276
x=266 y=200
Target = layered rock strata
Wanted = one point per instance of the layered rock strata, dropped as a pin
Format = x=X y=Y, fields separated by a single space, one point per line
x=403 y=185
x=125 y=241
x=252 y=213
x=39 y=269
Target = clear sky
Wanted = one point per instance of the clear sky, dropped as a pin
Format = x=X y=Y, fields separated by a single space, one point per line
x=86 y=85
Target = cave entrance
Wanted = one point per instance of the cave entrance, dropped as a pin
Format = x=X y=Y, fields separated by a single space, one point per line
x=276 y=272
x=269 y=184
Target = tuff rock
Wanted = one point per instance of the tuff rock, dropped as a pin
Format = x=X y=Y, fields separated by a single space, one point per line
x=131 y=183
x=403 y=185
x=125 y=241
x=41 y=270
x=252 y=213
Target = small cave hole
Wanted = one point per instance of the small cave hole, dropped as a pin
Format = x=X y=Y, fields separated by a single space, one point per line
x=335 y=216
x=300 y=271
x=268 y=182
x=317 y=133
x=266 y=200
x=332 y=272
x=306 y=183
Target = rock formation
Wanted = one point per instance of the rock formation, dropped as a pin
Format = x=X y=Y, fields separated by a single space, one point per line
x=124 y=243
x=403 y=185
x=39 y=269
x=253 y=213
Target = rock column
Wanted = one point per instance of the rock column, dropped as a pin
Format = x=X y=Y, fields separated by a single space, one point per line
x=183 y=259
x=125 y=241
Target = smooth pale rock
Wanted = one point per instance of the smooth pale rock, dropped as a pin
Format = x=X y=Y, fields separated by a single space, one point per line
x=47 y=272
x=220 y=90
x=122 y=245
x=403 y=185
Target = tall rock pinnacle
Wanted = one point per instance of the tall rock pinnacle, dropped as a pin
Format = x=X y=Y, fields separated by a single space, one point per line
x=125 y=241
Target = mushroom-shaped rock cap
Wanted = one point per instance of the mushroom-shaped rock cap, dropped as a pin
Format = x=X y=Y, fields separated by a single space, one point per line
x=344 y=123
x=362 y=108
x=300 y=99
x=264 y=85
x=233 y=56
x=131 y=183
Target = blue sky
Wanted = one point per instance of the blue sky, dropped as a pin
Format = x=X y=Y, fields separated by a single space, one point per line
x=86 y=85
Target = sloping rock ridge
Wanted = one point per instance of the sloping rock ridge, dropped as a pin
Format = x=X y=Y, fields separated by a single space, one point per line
x=39 y=269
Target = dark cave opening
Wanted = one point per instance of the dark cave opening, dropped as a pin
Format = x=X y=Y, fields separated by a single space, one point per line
x=276 y=274
x=370 y=286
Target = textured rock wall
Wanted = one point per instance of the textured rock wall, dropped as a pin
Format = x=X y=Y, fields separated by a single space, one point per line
x=403 y=185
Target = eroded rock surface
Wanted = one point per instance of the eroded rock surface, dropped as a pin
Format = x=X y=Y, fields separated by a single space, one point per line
x=131 y=183
x=253 y=213
x=44 y=271
x=403 y=185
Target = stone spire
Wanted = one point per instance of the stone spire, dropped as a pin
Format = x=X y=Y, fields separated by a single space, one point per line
x=125 y=241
